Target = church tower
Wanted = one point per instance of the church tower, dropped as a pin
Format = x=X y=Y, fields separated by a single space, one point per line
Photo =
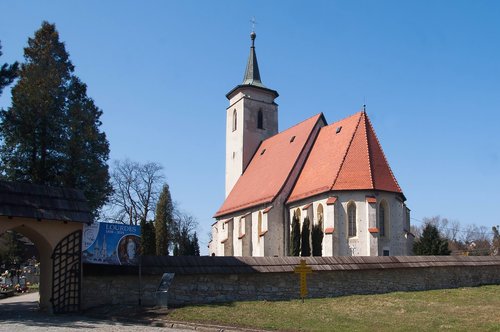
x=252 y=116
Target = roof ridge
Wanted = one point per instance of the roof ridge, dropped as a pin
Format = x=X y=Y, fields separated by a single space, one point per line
x=370 y=157
x=347 y=117
x=347 y=150
x=383 y=155
x=301 y=122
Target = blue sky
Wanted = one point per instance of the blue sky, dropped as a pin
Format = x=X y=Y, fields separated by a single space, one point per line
x=429 y=72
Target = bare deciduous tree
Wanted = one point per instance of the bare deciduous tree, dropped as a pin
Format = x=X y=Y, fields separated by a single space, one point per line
x=136 y=188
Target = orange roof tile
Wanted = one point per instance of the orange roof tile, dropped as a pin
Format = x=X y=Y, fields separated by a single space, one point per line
x=266 y=173
x=371 y=199
x=349 y=159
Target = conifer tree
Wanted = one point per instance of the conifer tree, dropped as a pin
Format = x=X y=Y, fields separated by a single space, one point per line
x=431 y=243
x=86 y=148
x=306 y=233
x=195 y=245
x=317 y=239
x=50 y=134
x=163 y=221
x=148 y=237
x=8 y=73
x=295 y=236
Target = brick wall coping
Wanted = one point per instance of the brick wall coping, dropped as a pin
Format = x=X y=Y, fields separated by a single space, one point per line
x=237 y=265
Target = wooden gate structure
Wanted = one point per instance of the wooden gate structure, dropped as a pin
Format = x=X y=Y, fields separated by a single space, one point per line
x=53 y=219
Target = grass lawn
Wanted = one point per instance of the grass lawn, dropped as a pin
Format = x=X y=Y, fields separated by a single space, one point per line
x=463 y=309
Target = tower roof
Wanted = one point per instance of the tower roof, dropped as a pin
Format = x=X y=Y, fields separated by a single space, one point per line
x=346 y=156
x=252 y=73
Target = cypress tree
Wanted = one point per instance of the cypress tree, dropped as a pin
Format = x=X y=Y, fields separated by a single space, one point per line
x=305 y=244
x=295 y=236
x=195 y=245
x=317 y=239
x=163 y=221
x=431 y=243
x=148 y=237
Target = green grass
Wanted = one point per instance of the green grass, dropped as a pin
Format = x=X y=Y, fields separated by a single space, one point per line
x=463 y=309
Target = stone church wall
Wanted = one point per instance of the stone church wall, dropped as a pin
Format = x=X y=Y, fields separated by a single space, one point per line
x=227 y=279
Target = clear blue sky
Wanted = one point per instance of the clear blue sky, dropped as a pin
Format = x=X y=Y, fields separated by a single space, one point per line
x=429 y=72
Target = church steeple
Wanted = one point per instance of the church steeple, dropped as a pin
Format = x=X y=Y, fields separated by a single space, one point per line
x=252 y=74
x=252 y=116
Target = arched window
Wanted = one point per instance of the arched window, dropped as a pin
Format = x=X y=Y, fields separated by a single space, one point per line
x=259 y=225
x=319 y=215
x=235 y=120
x=351 y=219
x=382 y=218
x=260 y=120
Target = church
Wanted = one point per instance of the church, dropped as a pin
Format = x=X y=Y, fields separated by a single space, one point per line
x=335 y=177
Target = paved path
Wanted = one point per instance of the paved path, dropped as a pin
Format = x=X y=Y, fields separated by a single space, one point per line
x=20 y=314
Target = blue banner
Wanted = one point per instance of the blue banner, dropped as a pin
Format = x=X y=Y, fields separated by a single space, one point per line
x=113 y=244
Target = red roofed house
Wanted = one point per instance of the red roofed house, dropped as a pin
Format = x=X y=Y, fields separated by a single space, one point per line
x=335 y=175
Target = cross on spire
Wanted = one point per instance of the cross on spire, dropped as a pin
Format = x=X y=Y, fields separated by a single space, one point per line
x=254 y=22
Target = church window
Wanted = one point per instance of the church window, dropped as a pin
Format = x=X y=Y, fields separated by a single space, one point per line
x=319 y=215
x=351 y=219
x=381 y=219
x=259 y=225
x=235 y=120
x=260 y=120
x=242 y=227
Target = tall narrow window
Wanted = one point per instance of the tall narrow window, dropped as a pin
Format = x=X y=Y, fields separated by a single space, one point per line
x=260 y=120
x=381 y=216
x=242 y=227
x=259 y=225
x=320 y=216
x=235 y=120
x=351 y=218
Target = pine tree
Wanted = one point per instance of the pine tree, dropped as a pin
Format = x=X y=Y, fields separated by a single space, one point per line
x=8 y=73
x=163 y=221
x=50 y=134
x=295 y=236
x=148 y=238
x=317 y=239
x=305 y=244
x=431 y=243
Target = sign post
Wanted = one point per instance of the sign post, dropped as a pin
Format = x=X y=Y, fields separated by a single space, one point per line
x=303 y=270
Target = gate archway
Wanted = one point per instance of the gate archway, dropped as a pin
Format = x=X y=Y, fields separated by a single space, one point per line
x=53 y=219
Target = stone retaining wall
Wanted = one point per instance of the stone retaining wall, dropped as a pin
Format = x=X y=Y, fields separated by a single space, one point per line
x=238 y=280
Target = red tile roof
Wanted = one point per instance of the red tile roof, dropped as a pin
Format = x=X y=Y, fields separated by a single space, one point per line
x=266 y=174
x=349 y=159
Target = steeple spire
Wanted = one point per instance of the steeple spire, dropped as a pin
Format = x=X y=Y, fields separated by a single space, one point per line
x=252 y=74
